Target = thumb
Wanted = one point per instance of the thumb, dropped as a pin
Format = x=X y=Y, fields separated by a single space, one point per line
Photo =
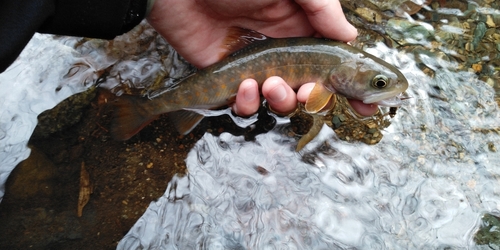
x=327 y=17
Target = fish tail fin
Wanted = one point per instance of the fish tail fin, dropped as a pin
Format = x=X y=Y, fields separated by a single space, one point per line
x=130 y=115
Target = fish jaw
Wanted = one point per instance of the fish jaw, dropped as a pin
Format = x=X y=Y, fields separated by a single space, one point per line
x=394 y=101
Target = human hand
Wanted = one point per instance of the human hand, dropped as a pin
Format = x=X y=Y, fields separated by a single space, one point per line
x=197 y=29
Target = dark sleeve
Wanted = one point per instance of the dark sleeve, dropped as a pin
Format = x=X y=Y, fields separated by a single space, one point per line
x=20 y=19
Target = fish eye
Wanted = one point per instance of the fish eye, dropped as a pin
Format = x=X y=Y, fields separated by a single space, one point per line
x=380 y=81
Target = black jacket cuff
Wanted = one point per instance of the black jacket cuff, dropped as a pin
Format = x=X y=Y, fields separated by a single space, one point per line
x=94 y=18
x=105 y=19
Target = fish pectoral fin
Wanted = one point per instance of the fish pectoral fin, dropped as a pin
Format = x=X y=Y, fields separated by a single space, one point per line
x=238 y=38
x=311 y=134
x=184 y=120
x=320 y=97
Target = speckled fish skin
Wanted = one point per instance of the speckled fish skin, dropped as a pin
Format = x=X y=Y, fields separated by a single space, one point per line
x=297 y=61
x=340 y=68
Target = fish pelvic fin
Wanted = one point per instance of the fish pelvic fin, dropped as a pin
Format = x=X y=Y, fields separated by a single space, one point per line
x=311 y=134
x=129 y=116
x=185 y=121
x=319 y=98
x=238 y=38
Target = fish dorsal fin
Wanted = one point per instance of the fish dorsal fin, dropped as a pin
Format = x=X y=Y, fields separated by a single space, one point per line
x=238 y=38
x=320 y=97
x=184 y=121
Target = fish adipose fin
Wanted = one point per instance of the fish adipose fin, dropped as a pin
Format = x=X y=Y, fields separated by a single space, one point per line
x=238 y=38
x=185 y=121
x=130 y=116
x=318 y=99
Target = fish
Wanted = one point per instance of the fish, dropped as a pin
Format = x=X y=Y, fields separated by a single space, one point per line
x=335 y=67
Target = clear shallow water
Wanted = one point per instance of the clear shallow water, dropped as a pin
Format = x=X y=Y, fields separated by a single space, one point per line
x=425 y=185
x=52 y=68
x=30 y=87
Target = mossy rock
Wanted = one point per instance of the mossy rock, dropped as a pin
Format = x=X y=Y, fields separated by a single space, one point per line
x=489 y=232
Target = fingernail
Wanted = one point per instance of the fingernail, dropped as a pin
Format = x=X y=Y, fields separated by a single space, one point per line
x=277 y=94
x=250 y=94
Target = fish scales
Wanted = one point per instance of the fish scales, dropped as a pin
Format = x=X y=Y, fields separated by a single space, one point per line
x=296 y=60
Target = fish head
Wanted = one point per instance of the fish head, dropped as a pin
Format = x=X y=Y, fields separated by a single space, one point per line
x=368 y=79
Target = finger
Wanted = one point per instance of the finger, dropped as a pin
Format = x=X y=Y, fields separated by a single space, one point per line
x=304 y=92
x=247 y=98
x=362 y=108
x=279 y=95
x=327 y=17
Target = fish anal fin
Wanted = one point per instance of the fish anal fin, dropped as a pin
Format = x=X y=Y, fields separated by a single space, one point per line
x=319 y=98
x=184 y=120
x=238 y=38
x=129 y=117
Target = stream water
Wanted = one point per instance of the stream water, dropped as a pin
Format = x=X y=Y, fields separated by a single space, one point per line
x=426 y=185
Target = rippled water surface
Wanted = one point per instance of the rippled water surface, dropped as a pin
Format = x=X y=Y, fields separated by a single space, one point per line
x=426 y=185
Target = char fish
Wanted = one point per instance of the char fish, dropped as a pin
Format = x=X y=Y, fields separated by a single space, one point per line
x=336 y=67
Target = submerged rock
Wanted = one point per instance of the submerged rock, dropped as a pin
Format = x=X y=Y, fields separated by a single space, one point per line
x=64 y=115
x=32 y=177
x=489 y=232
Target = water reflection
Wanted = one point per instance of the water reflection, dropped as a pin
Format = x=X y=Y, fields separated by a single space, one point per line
x=425 y=185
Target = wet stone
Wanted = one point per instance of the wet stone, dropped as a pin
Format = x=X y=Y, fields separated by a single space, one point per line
x=489 y=232
x=358 y=128
x=64 y=115
x=492 y=147
x=348 y=125
x=336 y=122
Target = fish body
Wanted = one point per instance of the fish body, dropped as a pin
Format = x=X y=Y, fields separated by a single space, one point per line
x=336 y=67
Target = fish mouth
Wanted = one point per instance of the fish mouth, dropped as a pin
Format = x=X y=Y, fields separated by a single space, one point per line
x=387 y=100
